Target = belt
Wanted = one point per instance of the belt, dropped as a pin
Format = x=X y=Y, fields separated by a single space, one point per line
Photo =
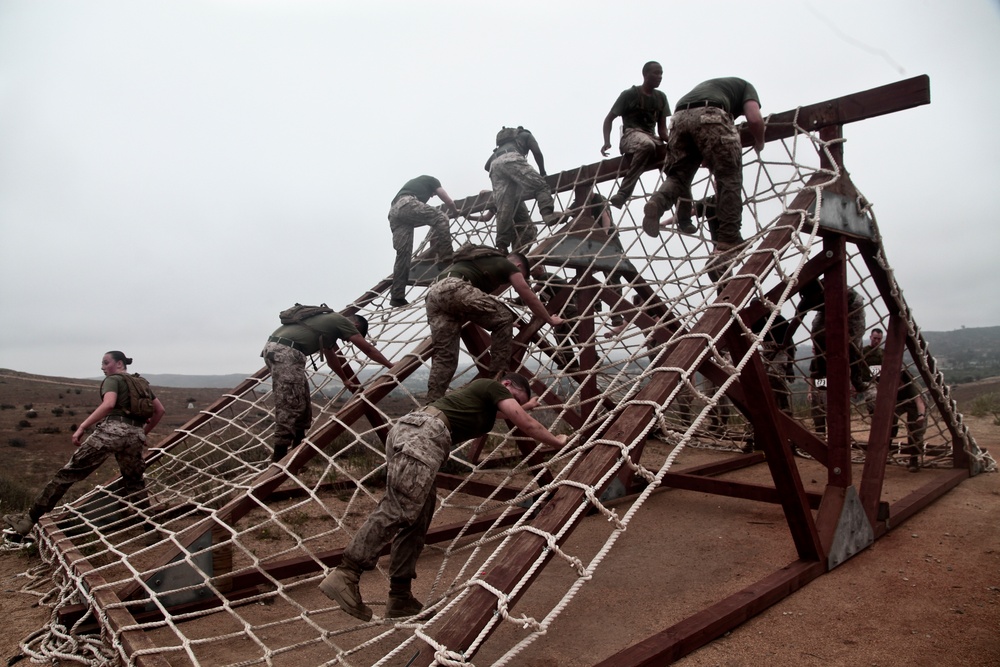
x=434 y=412
x=702 y=104
x=124 y=418
x=288 y=342
x=450 y=274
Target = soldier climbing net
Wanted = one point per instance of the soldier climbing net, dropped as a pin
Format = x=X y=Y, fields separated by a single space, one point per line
x=230 y=575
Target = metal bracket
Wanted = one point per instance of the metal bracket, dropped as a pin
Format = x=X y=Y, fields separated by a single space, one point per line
x=853 y=532
x=840 y=214
x=184 y=576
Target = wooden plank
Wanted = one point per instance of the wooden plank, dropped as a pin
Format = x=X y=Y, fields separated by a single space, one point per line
x=695 y=631
x=731 y=489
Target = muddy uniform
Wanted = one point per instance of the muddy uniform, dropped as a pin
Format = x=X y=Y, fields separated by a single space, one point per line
x=460 y=294
x=285 y=354
x=116 y=434
x=873 y=356
x=640 y=115
x=416 y=447
x=908 y=410
x=860 y=376
x=514 y=180
x=703 y=131
x=410 y=210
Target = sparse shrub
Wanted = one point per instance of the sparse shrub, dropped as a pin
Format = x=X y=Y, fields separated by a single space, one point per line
x=60 y=397
x=31 y=414
x=987 y=404
x=14 y=496
x=71 y=413
x=6 y=406
x=58 y=412
x=24 y=423
x=73 y=427
x=28 y=406
x=50 y=430
x=16 y=442
x=76 y=391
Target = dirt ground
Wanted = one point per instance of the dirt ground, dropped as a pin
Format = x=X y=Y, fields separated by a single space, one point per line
x=928 y=593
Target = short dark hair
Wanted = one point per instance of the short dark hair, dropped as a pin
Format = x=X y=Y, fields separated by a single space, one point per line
x=648 y=66
x=878 y=330
x=361 y=323
x=118 y=355
x=521 y=257
x=518 y=381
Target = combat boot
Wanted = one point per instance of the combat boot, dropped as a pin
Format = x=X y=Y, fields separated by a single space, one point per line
x=19 y=523
x=341 y=586
x=401 y=605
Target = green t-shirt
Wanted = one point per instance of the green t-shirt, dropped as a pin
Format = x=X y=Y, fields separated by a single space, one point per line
x=116 y=384
x=731 y=92
x=486 y=273
x=472 y=410
x=421 y=187
x=641 y=111
x=332 y=326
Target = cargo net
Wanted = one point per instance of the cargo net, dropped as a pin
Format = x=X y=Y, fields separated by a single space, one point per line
x=220 y=565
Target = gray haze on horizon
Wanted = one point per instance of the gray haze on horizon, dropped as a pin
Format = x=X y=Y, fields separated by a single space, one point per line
x=241 y=156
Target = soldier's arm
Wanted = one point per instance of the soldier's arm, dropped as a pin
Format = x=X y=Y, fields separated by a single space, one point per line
x=513 y=411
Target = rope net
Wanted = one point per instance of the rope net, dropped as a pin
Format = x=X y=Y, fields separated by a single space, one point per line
x=260 y=537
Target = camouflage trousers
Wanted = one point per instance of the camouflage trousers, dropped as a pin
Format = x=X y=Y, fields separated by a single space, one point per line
x=817 y=408
x=519 y=234
x=514 y=180
x=704 y=134
x=451 y=303
x=776 y=362
x=290 y=388
x=405 y=215
x=416 y=448
x=639 y=147
x=916 y=426
x=126 y=441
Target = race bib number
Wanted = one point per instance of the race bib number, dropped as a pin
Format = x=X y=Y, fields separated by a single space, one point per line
x=820 y=383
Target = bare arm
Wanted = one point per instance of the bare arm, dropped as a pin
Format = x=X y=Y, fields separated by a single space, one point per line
x=339 y=366
x=440 y=192
x=608 y=120
x=102 y=411
x=158 y=412
x=536 y=152
x=532 y=301
x=485 y=216
x=756 y=124
x=661 y=128
x=511 y=410
x=370 y=350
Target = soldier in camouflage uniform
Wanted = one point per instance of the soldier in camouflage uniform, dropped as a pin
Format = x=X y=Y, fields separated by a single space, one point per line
x=285 y=354
x=873 y=355
x=417 y=446
x=464 y=293
x=514 y=180
x=116 y=432
x=703 y=131
x=410 y=210
x=519 y=236
x=643 y=109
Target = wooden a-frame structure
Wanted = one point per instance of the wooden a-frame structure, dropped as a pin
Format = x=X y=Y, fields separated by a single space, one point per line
x=826 y=528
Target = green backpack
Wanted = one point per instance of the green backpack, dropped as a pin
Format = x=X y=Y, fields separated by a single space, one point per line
x=140 y=397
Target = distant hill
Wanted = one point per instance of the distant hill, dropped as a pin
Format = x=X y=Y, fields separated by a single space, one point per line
x=966 y=355
x=192 y=381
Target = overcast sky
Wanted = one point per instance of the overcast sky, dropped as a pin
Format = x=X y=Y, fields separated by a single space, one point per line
x=173 y=174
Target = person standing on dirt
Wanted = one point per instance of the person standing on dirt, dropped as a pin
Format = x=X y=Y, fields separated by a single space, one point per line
x=285 y=354
x=417 y=446
x=127 y=413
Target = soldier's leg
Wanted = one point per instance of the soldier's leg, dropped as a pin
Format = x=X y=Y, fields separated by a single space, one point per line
x=445 y=335
x=641 y=148
x=439 y=238
x=507 y=196
x=531 y=184
x=493 y=316
x=524 y=228
x=87 y=458
x=719 y=143
x=402 y=243
x=685 y=159
x=292 y=405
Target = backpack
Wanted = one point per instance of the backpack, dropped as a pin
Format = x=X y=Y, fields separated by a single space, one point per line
x=298 y=313
x=508 y=134
x=470 y=252
x=140 y=398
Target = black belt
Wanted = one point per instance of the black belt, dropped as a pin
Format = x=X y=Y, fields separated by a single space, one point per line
x=702 y=104
x=288 y=342
x=126 y=419
x=434 y=412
